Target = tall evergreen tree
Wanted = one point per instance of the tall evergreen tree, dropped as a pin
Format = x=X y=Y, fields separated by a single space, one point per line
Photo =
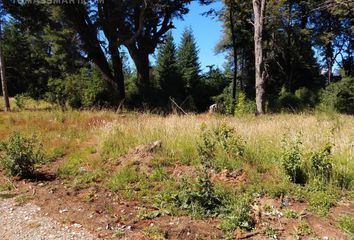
x=167 y=72
x=188 y=65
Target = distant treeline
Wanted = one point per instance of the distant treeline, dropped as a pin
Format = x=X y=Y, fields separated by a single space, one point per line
x=73 y=55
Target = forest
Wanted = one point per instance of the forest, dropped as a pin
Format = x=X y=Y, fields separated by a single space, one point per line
x=77 y=56
x=113 y=126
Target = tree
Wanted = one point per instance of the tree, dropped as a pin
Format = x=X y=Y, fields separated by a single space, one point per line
x=188 y=64
x=2 y=68
x=167 y=72
x=259 y=14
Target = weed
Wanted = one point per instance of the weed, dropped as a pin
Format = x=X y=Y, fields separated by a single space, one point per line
x=346 y=222
x=23 y=199
x=125 y=178
x=291 y=160
x=237 y=213
x=21 y=155
x=270 y=232
x=145 y=214
x=290 y=213
x=322 y=163
x=322 y=201
x=154 y=232
x=303 y=229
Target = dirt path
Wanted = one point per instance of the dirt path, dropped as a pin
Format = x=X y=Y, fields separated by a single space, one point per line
x=26 y=222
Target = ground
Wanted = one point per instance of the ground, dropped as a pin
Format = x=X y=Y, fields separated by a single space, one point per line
x=106 y=174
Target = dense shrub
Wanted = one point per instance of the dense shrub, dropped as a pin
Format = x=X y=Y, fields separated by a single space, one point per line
x=20 y=154
x=85 y=89
x=289 y=101
x=339 y=96
x=306 y=96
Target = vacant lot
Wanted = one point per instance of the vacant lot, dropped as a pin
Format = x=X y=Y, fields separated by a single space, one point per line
x=144 y=176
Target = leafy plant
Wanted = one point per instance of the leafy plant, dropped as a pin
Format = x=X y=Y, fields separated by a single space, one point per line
x=20 y=155
x=322 y=163
x=291 y=160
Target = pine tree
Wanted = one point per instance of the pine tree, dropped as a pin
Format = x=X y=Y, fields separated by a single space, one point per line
x=188 y=64
x=168 y=75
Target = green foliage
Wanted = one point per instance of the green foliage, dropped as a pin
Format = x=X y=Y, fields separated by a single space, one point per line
x=303 y=229
x=20 y=155
x=292 y=162
x=154 y=232
x=199 y=199
x=85 y=89
x=244 y=105
x=306 y=96
x=220 y=147
x=322 y=201
x=289 y=101
x=237 y=213
x=20 y=100
x=167 y=72
x=290 y=213
x=322 y=163
x=339 y=96
x=189 y=67
x=346 y=222
x=125 y=178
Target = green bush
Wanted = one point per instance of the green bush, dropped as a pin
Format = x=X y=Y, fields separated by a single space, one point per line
x=85 y=89
x=20 y=100
x=322 y=164
x=306 y=96
x=339 y=96
x=289 y=101
x=20 y=155
x=291 y=161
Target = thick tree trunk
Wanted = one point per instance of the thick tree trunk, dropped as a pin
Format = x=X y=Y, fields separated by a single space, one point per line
x=259 y=11
x=234 y=48
x=117 y=70
x=4 y=82
x=141 y=61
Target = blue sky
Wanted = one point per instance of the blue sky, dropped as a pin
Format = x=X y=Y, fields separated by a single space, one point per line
x=207 y=32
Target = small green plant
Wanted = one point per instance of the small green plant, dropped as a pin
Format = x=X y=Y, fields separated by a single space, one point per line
x=154 y=232
x=322 y=201
x=237 y=213
x=303 y=229
x=206 y=147
x=20 y=155
x=270 y=232
x=322 y=163
x=346 y=222
x=290 y=213
x=291 y=160
x=146 y=214
x=199 y=199
x=20 y=100
x=123 y=179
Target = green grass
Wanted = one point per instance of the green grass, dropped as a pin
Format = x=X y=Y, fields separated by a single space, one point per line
x=346 y=223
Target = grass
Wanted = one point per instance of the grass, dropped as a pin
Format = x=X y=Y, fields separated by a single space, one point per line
x=87 y=146
x=346 y=222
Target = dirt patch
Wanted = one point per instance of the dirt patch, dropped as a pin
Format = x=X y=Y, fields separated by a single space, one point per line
x=141 y=156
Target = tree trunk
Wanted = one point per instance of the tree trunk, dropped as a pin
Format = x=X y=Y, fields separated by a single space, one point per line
x=141 y=61
x=117 y=70
x=4 y=82
x=234 y=48
x=329 y=59
x=259 y=11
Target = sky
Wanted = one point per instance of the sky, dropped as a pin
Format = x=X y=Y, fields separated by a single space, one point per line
x=207 y=33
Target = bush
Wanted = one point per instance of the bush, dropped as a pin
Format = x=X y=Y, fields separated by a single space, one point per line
x=85 y=89
x=20 y=100
x=339 y=96
x=21 y=155
x=306 y=96
x=289 y=101
x=322 y=164
x=291 y=160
